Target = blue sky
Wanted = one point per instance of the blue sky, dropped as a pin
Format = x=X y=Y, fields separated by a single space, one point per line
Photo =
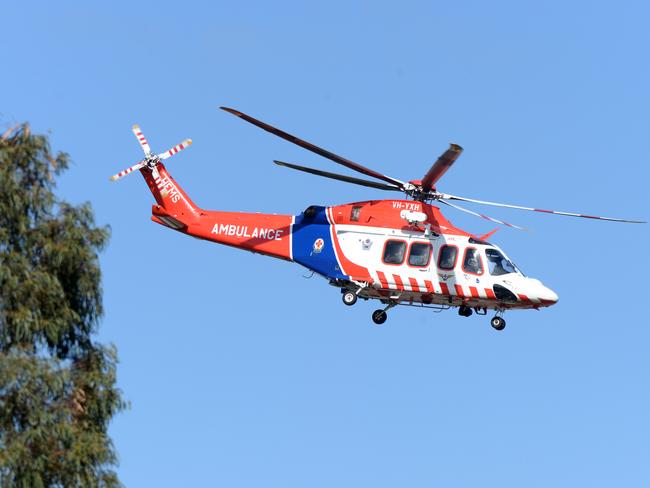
x=243 y=373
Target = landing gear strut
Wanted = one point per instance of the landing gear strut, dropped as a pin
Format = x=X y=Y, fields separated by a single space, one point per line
x=380 y=316
x=498 y=323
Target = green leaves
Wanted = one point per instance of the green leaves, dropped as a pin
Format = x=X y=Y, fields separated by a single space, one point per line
x=57 y=387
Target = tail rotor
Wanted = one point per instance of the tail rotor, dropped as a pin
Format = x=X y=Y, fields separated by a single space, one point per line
x=150 y=160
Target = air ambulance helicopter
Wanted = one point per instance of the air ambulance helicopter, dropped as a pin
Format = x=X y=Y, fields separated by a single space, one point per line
x=400 y=251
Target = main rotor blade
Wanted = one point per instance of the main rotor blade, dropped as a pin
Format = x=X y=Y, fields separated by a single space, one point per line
x=441 y=166
x=335 y=176
x=486 y=217
x=556 y=212
x=311 y=147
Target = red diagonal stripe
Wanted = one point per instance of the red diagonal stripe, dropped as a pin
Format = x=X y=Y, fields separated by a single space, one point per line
x=474 y=291
x=429 y=286
x=414 y=284
x=382 y=279
x=459 y=291
x=444 y=288
x=398 y=282
x=490 y=293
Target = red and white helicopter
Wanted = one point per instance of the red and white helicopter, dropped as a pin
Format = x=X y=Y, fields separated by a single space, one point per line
x=397 y=251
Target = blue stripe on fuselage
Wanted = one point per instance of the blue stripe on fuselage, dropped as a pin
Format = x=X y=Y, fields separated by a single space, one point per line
x=306 y=231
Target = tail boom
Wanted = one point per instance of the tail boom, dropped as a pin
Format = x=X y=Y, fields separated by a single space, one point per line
x=268 y=234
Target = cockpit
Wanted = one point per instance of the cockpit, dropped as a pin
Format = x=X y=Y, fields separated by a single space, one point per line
x=498 y=264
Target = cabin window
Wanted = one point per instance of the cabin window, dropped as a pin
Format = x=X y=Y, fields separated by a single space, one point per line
x=472 y=262
x=447 y=257
x=354 y=214
x=394 y=252
x=420 y=254
x=498 y=264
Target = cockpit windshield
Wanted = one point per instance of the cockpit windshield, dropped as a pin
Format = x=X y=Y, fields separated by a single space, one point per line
x=498 y=264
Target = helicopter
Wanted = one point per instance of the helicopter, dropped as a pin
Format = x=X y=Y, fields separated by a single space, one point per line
x=400 y=251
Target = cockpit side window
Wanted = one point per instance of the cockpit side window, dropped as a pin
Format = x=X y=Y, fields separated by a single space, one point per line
x=394 y=252
x=447 y=257
x=472 y=262
x=498 y=264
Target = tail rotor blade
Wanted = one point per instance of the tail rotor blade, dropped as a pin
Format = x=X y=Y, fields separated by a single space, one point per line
x=177 y=148
x=141 y=139
x=530 y=209
x=486 y=217
x=125 y=172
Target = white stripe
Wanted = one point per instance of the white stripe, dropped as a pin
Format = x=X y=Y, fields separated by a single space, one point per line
x=293 y=220
x=423 y=287
x=453 y=291
x=435 y=282
x=330 y=220
x=375 y=277
x=406 y=283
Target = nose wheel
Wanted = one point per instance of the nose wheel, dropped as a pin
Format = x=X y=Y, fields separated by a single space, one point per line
x=498 y=323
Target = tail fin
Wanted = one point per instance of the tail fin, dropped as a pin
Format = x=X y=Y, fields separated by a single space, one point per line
x=171 y=199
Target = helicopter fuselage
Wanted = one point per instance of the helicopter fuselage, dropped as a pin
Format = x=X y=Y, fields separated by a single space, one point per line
x=397 y=251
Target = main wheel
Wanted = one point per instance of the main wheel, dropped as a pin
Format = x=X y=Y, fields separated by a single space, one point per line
x=464 y=311
x=349 y=298
x=498 y=323
x=379 y=317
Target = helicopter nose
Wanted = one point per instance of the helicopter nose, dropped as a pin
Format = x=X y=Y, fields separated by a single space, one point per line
x=542 y=293
x=548 y=296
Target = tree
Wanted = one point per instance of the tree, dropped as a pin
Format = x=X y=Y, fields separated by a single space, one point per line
x=57 y=385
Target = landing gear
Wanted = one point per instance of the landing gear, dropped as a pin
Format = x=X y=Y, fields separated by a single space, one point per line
x=379 y=317
x=464 y=311
x=498 y=323
x=349 y=298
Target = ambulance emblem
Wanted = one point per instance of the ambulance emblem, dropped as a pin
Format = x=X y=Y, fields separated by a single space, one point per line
x=318 y=246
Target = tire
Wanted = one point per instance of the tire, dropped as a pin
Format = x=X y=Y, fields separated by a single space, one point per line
x=349 y=298
x=464 y=311
x=498 y=323
x=379 y=317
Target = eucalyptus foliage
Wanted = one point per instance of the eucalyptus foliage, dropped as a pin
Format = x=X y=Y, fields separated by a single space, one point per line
x=57 y=385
